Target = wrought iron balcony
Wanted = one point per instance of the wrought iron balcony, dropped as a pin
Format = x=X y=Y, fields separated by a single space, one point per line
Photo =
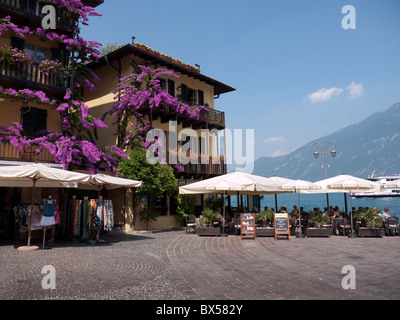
x=212 y=119
x=210 y=169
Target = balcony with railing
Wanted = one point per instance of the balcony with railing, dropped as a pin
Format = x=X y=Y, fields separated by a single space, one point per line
x=211 y=119
x=197 y=165
x=31 y=75
x=32 y=10
x=28 y=154
x=200 y=169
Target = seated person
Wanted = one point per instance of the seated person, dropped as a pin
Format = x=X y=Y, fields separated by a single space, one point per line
x=385 y=214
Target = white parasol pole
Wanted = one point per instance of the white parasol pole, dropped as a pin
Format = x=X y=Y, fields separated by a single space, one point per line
x=31 y=215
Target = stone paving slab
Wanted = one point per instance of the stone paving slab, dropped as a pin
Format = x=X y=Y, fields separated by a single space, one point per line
x=177 y=266
x=309 y=268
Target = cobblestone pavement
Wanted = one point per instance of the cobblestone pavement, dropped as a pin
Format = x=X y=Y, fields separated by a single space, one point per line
x=176 y=266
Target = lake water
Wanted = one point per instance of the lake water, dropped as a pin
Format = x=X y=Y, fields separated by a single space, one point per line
x=309 y=201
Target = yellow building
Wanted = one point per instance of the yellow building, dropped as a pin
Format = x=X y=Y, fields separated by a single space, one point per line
x=192 y=87
x=32 y=115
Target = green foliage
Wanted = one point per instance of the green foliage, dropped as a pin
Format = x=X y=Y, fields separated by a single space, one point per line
x=186 y=205
x=264 y=216
x=319 y=218
x=147 y=215
x=209 y=216
x=110 y=47
x=370 y=218
x=157 y=179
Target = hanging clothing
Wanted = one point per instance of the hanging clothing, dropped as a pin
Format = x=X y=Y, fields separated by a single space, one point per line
x=57 y=216
x=36 y=217
x=89 y=217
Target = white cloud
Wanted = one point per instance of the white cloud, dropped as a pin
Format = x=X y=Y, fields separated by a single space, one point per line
x=355 y=90
x=274 y=140
x=323 y=95
x=278 y=153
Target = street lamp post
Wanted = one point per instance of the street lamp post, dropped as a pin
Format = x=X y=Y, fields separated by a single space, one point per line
x=325 y=151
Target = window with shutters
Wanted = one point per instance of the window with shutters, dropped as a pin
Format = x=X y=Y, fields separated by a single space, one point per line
x=201 y=97
x=171 y=87
x=33 y=120
x=184 y=92
x=162 y=84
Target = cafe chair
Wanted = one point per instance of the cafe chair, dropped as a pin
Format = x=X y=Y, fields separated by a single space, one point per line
x=237 y=225
x=391 y=225
x=345 y=226
x=191 y=223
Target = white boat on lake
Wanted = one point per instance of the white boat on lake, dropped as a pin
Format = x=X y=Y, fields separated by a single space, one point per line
x=384 y=192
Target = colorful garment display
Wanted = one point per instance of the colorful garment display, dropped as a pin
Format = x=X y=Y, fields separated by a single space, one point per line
x=90 y=217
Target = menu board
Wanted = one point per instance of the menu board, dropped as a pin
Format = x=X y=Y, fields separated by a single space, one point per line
x=248 y=224
x=282 y=225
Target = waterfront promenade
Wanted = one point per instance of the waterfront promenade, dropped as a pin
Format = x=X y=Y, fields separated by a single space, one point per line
x=175 y=266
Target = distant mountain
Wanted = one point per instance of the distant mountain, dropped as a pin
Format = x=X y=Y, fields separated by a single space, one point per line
x=372 y=144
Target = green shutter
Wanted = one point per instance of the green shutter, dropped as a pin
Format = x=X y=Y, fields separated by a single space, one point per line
x=184 y=91
x=171 y=87
x=201 y=98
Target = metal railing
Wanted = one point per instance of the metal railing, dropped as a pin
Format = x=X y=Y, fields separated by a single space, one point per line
x=213 y=118
x=206 y=169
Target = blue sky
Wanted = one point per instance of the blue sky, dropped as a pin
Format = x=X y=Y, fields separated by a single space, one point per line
x=298 y=74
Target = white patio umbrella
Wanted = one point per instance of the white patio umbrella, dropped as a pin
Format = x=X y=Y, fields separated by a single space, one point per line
x=234 y=184
x=225 y=186
x=39 y=175
x=348 y=184
x=249 y=185
x=279 y=181
x=100 y=181
x=110 y=182
x=297 y=186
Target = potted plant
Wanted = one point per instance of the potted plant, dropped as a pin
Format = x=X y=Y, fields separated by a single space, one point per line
x=267 y=218
x=193 y=100
x=319 y=225
x=371 y=223
x=209 y=216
